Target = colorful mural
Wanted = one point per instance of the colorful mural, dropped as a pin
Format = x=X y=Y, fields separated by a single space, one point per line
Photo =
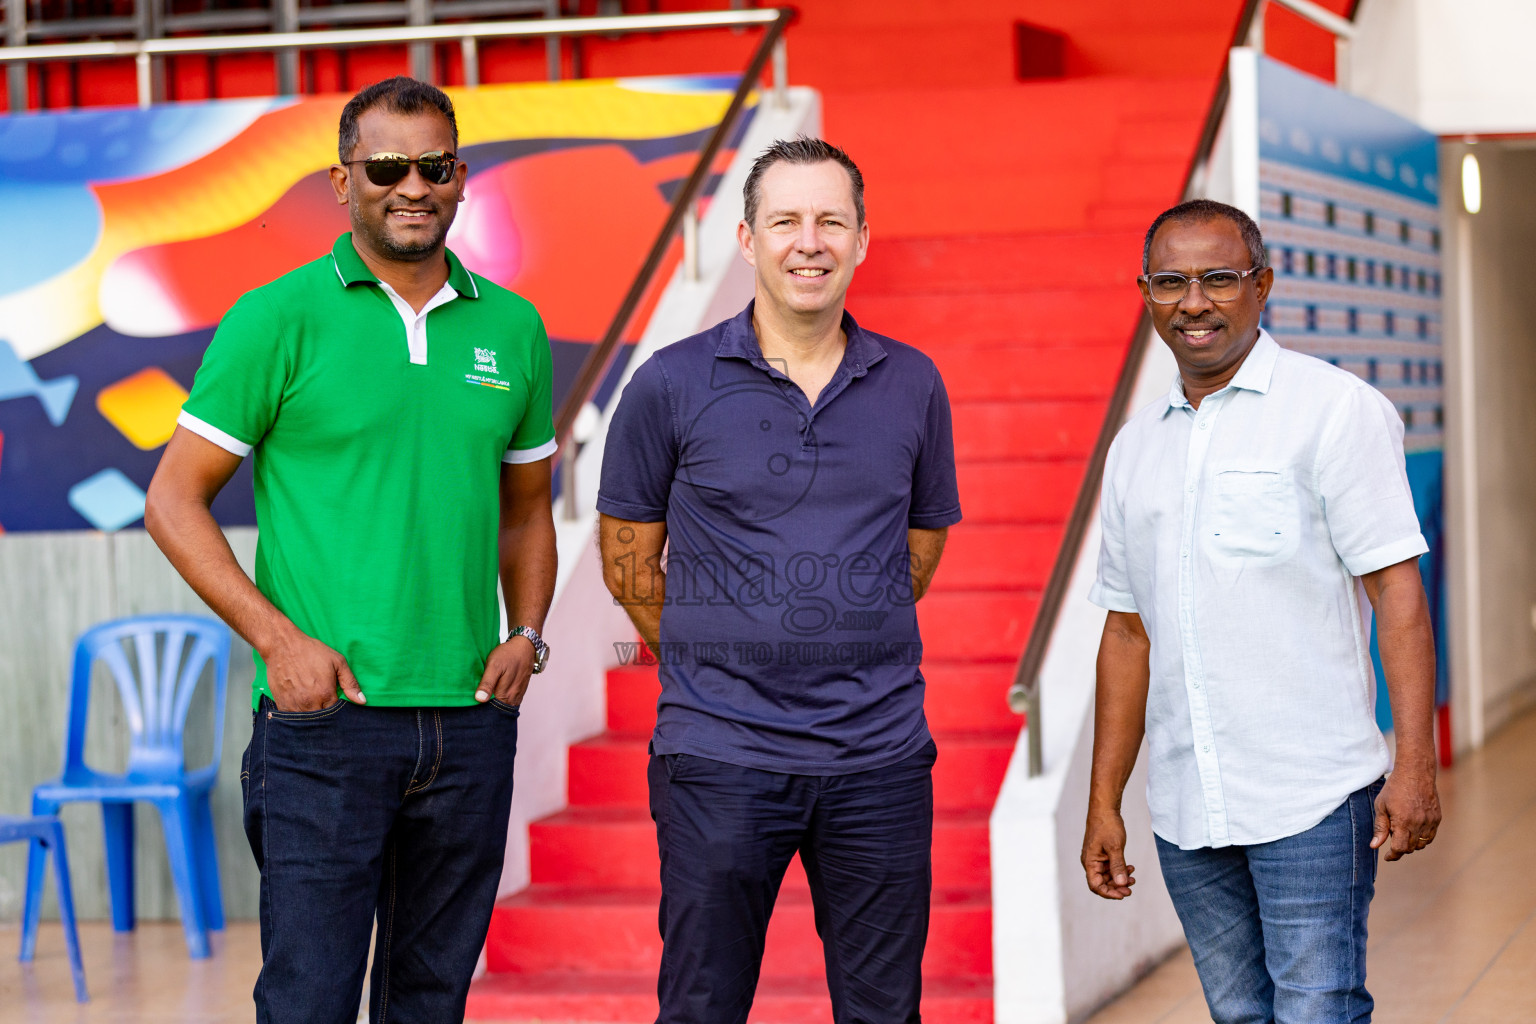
x=138 y=229
x=1350 y=209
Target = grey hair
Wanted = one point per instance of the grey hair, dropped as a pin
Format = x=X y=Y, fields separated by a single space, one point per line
x=1209 y=209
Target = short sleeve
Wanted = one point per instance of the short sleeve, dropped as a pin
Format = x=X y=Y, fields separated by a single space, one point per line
x=239 y=387
x=1112 y=586
x=1363 y=483
x=935 y=491
x=640 y=454
x=534 y=437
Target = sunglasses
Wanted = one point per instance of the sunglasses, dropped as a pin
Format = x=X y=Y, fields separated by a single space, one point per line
x=390 y=168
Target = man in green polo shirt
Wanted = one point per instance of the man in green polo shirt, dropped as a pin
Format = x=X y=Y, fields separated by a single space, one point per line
x=398 y=408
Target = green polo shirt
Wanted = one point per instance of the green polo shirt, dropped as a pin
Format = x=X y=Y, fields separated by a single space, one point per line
x=379 y=447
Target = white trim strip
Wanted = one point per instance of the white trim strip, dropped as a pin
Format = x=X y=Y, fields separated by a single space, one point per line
x=515 y=457
x=209 y=432
x=337 y=267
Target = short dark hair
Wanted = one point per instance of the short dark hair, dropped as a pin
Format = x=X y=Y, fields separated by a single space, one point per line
x=1209 y=209
x=400 y=95
x=800 y=150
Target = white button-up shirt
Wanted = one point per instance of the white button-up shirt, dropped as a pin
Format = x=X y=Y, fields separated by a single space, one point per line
x=1237 y=532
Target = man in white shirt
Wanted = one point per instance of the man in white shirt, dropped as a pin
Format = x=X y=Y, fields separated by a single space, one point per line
x=1252 y=520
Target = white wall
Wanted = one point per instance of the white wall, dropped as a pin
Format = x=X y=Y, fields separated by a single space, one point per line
x=1454 y=66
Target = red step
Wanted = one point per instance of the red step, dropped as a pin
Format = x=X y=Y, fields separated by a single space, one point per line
x=610 y=847
x=956 y=267
x=632 y=696
x=1040 y=313
x=984 y=625
x=608 y=771
x=988 y=430
x=969 y=696
x=997 y=556
x=549 y=928
x=1019 y=491
x=631 y=998
x=1047 y=374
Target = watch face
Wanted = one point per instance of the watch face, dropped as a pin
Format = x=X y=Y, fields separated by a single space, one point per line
x=541 y=658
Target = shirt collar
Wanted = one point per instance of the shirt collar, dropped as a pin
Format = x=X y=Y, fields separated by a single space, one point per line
x=351 y=269
x=739 y=341
x=1255 y=374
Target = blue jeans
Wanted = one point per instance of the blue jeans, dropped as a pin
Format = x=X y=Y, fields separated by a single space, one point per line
x=356 y=812
x=726 y=836
x=1278 y=929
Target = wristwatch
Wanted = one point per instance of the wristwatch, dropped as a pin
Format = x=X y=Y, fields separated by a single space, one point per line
x=540 y=648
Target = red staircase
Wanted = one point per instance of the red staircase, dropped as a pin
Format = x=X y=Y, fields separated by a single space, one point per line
x=1029 y=328
x=1006 y=226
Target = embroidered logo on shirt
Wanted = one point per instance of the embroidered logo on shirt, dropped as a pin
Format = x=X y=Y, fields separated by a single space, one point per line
x=485 y=364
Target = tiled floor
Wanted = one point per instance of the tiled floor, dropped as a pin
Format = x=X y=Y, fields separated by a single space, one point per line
x=1453 y=933
x=1453 y=928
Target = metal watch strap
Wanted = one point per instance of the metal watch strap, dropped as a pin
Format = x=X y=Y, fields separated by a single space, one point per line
x=540 y=648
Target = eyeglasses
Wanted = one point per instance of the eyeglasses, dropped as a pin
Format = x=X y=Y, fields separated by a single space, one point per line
x=389 y=168
x=1218 y=285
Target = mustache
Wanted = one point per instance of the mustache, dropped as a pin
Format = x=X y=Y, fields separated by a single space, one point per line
x=1199 y=323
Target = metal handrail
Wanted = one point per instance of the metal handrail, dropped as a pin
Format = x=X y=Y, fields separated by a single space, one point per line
x=467 y=34
x=1024 y=693
x=595 y=366
x=619 y=25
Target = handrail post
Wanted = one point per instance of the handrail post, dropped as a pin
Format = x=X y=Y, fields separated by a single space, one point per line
x=1256 y=27
x=469 y=51
x=1035 y=740
x=691 y=272
x=781 y=74
x=16 y=74
x=1024 y=699
x=568 y=479
x=144 y=76
x=285 y=18
x=423 y=66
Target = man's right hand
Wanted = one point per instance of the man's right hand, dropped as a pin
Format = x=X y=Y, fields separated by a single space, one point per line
x=1103 y=858
x=303 y=674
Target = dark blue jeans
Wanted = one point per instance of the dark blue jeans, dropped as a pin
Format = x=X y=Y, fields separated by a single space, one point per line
x=726 y=836
x=1278 y=929
x=356 y=812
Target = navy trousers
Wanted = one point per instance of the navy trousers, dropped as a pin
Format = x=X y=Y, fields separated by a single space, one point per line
x=726 y=836
x=355 y=813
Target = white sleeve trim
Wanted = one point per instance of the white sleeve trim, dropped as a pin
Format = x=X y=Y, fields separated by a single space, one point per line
x=1387 y=554
x=1111 y=600
x=518 y=457
x=209 y=432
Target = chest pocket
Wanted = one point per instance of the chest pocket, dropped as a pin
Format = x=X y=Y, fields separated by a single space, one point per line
x=1252 y=517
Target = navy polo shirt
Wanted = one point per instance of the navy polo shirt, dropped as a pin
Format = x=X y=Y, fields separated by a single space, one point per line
x=789 y=636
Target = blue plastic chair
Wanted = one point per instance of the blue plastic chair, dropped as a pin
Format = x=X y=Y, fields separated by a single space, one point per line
x=46 y=834
x=156 y=686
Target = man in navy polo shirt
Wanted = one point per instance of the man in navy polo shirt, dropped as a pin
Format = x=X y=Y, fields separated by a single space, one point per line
x=802 y=470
